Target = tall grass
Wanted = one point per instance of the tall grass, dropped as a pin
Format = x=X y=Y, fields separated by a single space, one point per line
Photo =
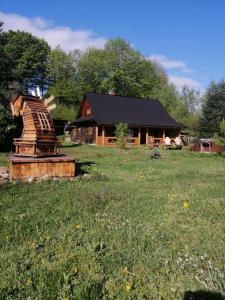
x=123 y=231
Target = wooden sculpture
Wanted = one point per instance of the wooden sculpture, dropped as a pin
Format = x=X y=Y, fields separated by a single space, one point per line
x=37 y=154
x=38 y=137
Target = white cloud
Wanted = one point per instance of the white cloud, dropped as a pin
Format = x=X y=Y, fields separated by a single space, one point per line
x=168 y=63
x=55 y=35
x=179 y=82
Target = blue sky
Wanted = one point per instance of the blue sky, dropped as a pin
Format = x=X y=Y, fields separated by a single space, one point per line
x=187 y=37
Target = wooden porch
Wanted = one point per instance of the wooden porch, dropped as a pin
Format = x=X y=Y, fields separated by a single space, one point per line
x=139 y=136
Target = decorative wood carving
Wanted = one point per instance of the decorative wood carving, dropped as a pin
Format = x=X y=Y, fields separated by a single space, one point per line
x=38 y=137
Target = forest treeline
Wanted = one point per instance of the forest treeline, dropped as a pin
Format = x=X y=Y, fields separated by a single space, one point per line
x=27 y=62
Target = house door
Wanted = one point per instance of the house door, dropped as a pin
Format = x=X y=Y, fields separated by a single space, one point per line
x=143 y=136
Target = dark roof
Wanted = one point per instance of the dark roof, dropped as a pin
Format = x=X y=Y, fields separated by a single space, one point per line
x=110 y=109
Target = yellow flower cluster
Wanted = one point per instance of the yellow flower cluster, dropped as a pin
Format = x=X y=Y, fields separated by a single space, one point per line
x=128 y=287
x=186 y=204
x=78 y=226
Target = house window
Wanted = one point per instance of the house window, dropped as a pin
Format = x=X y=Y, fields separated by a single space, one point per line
x=43 y=119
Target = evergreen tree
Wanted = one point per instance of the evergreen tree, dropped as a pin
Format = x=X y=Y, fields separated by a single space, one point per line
x=213 y=110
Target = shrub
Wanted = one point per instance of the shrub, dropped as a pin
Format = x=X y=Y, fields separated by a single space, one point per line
x=122 y=132
x=7 y=128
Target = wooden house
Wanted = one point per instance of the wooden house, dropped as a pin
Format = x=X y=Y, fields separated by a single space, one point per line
x=148 y=121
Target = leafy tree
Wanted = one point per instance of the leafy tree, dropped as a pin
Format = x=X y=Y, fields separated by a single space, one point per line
x=191 y=99
x=62 y=66
x=220 y=137
x=213 y=110
x=118 y=67
x=26 y=57
x=62 y=72
x=7 y=128
x=65 y=93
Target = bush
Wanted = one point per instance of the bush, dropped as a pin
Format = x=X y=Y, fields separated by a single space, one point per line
x=122 y=132
x=7 y=128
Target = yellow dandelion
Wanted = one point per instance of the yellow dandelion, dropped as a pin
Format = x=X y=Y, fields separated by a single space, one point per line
x=6 y=237
x=74 y=271
x=128 y=287
x=78 y=226
x=142 y=176
x=186 y=204
x=125 y=270
x=29 y=282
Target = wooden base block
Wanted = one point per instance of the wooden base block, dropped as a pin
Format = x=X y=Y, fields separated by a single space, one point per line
x=21 y=168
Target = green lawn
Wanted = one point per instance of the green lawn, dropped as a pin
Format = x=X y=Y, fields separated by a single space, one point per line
x=122 y=232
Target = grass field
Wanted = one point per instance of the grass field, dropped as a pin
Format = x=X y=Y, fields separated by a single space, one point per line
x=133 y=228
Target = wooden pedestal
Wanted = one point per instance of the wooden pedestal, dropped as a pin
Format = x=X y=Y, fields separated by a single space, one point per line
x=21 y=168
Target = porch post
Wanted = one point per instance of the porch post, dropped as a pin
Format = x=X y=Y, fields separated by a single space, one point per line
x=164 y=133
x=103 y=135
x=146 y=139
x=96 y=135
x=139 y=136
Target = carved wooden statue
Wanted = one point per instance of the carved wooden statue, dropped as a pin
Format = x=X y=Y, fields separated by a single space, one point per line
x=38 y=137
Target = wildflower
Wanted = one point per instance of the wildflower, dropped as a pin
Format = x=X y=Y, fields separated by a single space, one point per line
x=142 y=176
x=78 y=226
x=125 y=270
x=29 y=282
x=186 y=204
x=128 y=287
x=33 y=245
x=6 y=237
x=74 y=271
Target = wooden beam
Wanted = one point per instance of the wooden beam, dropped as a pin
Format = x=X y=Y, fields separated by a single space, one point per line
x=103 y=135
x=96 y=135
x=139 y=136
x=146 y=136
x=164 y=133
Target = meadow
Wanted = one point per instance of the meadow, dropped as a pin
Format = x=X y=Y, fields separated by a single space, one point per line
x=132 y=227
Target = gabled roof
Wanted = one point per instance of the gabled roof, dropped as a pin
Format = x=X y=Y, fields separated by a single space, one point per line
x=110 y=109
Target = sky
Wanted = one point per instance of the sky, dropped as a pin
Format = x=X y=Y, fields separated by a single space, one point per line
x=186 y=37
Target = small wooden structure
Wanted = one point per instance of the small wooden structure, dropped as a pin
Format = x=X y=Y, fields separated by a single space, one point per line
x=38 y=137
x=148 y=121
x=204 y=145
x=37 y=151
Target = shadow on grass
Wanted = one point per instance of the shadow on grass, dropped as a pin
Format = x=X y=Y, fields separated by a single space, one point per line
x=70 y=146
x=203 y=295
x=81 y=165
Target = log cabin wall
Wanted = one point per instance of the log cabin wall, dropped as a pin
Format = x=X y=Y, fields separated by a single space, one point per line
x=84 y=135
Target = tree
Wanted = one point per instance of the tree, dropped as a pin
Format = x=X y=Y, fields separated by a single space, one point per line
x=191 y=99
x=7 y=127
x=26 y=57
x=62 y=73
x=220 y=137
x=122 y=132
x=213 y=110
